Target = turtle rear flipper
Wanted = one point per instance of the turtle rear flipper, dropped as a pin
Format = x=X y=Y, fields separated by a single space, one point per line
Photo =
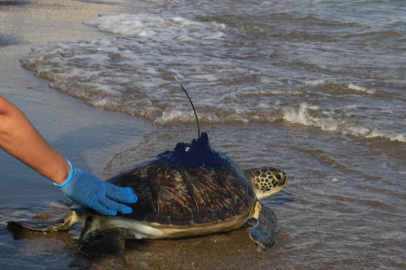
x=51 y=225
x=264 y=231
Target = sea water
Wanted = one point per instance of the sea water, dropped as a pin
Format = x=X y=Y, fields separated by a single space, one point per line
x=336 y=66
x=316 y=88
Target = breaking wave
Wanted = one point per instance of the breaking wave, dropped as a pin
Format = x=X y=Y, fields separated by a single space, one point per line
x=132 y=68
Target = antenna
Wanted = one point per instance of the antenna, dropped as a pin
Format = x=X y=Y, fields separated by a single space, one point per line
x=197 y=119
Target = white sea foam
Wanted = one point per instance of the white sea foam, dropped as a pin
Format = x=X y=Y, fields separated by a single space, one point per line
x=161 y=28
x=357 y=88
x=392 y=136
x=314 y=83
x=300 y=115
x=132 y=71
x=310 y=116
x=101 y=84
x=368 y=132
x=305 y=115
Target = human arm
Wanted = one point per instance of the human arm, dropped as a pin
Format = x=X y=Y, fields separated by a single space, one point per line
x=19 y=138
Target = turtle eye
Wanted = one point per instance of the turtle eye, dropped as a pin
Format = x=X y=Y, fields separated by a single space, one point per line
x=279 y=176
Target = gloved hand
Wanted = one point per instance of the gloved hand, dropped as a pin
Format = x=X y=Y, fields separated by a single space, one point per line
x=86 y=189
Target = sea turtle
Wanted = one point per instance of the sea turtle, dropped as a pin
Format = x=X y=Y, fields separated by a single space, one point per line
x=192 y=190
x=189 y=191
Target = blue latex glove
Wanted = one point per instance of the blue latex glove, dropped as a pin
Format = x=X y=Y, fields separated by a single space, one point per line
x=86 y=189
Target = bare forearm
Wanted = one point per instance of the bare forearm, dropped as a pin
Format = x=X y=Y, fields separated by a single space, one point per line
x=19 y=138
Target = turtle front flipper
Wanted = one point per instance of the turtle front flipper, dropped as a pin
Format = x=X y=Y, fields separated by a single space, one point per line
x=264 y=231
x=100 y=239
x=266 y=181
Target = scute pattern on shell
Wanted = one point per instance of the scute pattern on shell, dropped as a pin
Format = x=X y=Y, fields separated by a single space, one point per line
x=172 y=194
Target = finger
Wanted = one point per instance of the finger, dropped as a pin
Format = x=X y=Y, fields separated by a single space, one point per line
x=103 y=209
x=119 y=194
x=116 y=206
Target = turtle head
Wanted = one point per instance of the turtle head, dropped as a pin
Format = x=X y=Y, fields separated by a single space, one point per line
x=266 y=181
